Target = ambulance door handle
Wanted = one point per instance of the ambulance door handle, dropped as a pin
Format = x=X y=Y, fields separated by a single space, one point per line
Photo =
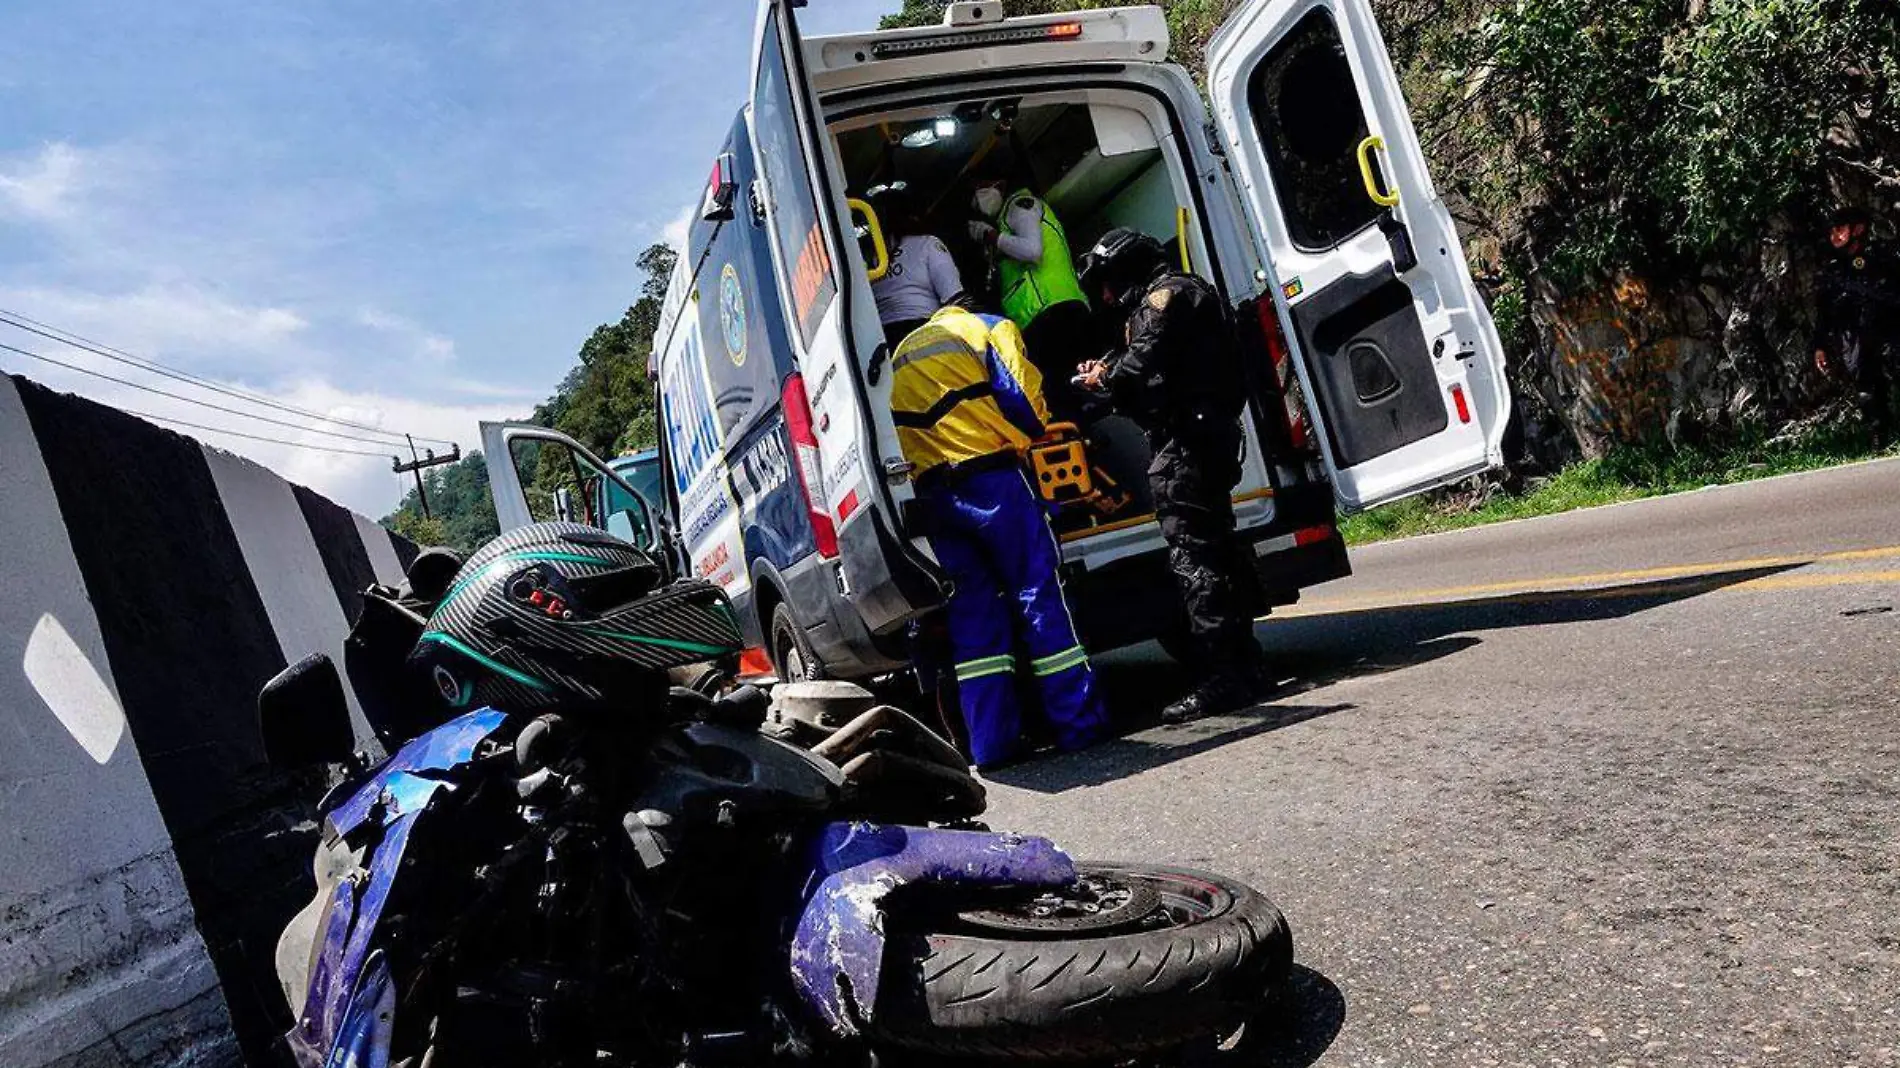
x=1380 y=197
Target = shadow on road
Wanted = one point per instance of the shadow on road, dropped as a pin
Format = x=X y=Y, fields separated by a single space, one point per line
x=1307 y=653
x=1291 y=1033
x=1151 y=747
x=1318 y=650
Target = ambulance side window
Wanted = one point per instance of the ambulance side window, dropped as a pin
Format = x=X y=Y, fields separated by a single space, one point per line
x=794 y=204
x=1306 y=108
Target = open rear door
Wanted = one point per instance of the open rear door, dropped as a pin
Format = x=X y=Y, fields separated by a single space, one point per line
x=835 y=439
x=1395 y=346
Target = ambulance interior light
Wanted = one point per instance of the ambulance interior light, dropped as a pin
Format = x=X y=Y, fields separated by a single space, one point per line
x=943 y=128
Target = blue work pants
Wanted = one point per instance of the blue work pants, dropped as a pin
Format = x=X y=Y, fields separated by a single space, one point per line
x=993 y=539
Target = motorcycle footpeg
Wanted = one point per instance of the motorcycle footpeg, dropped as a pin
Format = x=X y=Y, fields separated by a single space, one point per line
x=641 y=832
x=543 y=785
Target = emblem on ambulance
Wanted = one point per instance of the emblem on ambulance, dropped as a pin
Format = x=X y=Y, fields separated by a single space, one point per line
x=732 y=315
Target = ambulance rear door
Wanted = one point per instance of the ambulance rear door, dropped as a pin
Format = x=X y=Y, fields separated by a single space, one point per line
x=839 y=449
x=1395 y=346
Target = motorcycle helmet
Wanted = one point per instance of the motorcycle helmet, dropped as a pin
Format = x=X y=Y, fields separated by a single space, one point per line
x=1119 y=264
x=561 y=615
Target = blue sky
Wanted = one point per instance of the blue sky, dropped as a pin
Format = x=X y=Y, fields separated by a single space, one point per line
x=407 y=214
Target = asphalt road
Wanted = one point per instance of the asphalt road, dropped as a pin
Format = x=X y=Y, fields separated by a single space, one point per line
x=1615 y=787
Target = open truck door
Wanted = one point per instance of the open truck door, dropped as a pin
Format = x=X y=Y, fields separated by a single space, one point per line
x=577 y=486
x=839 y=449
x=1395 y=346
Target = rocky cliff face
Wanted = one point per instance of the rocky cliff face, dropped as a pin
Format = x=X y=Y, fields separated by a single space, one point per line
x=1645 y=184
x=1634 y=360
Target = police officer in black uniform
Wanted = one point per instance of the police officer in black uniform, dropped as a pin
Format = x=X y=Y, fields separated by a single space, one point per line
x=1179 y=377
x=1858 y=332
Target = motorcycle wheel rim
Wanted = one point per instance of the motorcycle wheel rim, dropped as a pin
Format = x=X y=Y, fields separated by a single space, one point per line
x=1100 y=902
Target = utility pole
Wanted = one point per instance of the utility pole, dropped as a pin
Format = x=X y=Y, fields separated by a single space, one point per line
x=416 y=464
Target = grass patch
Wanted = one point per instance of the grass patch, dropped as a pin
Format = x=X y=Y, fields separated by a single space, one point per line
x=1624 y=474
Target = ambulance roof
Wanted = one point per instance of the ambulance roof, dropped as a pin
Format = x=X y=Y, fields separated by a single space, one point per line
x=980 y=40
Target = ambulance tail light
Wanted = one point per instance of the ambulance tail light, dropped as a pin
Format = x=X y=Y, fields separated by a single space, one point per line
x=1292 y=413
x=811 y=475
x=1313 y=535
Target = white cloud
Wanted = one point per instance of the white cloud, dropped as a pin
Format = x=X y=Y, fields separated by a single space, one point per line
x=364 y=483
x=674 y=233
x=44 y=185
x=429 y=347
x=177 y=323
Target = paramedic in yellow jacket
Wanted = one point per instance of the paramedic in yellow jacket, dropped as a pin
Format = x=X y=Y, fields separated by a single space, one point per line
x=965 y=401
x=1039 y=291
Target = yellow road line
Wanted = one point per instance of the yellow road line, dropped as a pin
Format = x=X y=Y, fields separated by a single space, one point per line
x=1583 y=582
x=1859 y=554
x=1821 y=578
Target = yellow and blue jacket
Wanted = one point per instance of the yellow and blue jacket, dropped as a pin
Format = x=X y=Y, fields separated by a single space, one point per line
x=962 y=388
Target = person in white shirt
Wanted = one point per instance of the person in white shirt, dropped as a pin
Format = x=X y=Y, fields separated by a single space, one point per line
x=923 y=276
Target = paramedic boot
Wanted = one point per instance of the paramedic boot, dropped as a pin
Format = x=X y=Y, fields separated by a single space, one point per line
x=1239 y=678
x=1217 y=696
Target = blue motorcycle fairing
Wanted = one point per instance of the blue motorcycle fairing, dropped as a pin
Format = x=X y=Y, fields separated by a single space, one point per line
x=397 y=784
x=349 y=933
x=316 y=1024
x=838 y=947
x=348 y=962
x=363 y=1039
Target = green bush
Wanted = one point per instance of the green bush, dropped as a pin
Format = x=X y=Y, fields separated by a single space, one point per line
x=1654 y=135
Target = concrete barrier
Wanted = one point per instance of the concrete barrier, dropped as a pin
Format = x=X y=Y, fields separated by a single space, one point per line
x=152 y=585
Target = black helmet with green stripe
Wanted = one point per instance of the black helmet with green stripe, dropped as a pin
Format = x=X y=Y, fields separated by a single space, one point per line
x=560 y=615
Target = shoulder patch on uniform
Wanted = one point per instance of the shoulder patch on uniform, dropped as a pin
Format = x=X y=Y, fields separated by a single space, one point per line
x=1159 y=297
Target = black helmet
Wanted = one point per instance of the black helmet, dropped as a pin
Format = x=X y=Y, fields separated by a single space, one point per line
x=556 y=615
x=1122 y=260
x=893 y=203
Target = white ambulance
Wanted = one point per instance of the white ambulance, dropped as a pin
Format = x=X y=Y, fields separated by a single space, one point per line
x=1375 y=369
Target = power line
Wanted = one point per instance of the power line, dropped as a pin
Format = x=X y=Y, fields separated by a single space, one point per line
x=191 y=400
x=253 y=437
x=100 y=348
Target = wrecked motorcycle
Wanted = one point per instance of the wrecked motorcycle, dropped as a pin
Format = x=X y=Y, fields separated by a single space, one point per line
x=705 y=881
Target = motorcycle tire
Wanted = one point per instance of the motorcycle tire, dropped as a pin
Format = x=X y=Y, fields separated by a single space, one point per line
x=1166 y=956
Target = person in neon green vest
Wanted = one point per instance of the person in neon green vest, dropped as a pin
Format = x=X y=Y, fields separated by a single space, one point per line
x=1040 y=293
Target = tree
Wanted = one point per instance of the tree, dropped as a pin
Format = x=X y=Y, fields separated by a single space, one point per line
x=463 y=513
x=418 y=528
x=605 y=402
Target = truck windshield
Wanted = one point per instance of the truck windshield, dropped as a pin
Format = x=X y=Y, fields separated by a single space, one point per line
x=642 y=472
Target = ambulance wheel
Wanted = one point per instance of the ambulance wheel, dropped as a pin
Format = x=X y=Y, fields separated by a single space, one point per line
x=792 y=655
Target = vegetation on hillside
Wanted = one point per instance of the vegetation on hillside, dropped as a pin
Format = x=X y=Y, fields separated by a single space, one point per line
x=605 y=402
x=1624 y=473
